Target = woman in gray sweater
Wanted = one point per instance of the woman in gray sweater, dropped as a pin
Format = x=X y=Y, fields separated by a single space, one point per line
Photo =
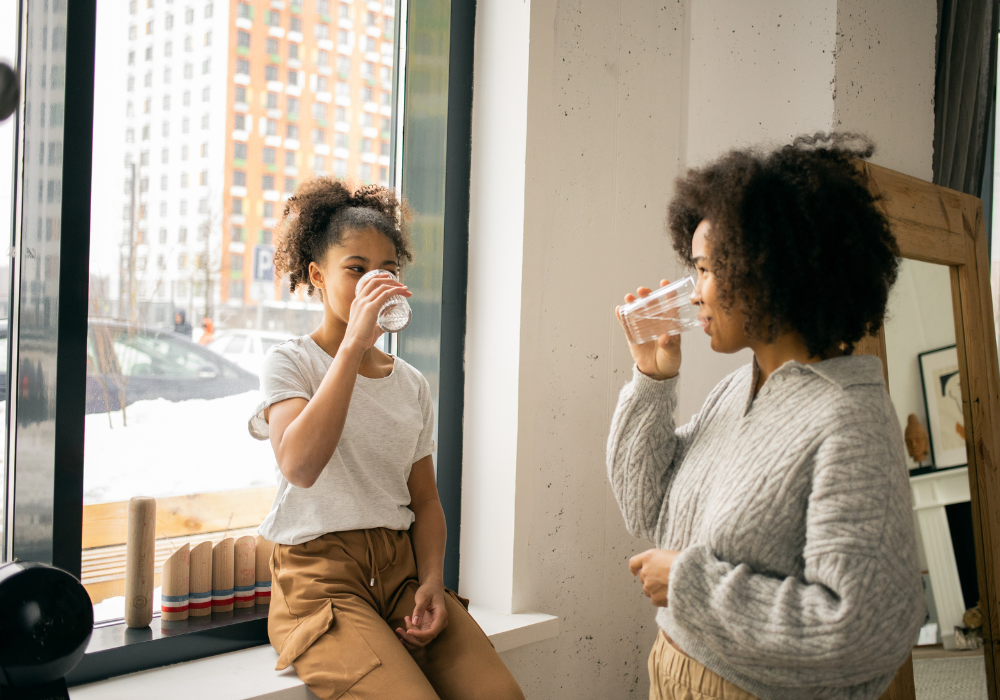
x=786 y=565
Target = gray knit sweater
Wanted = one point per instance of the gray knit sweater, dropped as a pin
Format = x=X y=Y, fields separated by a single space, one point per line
x=798 y=574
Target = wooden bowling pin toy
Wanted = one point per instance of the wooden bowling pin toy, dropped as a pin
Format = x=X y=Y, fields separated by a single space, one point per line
x=200 y=596
x=140 y=548
x=174 y=596
x=263 y=577
x=245 y=572
x=222 y=576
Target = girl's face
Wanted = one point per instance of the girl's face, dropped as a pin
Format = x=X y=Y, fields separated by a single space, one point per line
x=724 y=326
x=338 y=273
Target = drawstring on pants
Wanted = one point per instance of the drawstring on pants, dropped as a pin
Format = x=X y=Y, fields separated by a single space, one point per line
x=374 y=572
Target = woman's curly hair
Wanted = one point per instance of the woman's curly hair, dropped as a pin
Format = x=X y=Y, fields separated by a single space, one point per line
x=321 y=211
x=799 y=243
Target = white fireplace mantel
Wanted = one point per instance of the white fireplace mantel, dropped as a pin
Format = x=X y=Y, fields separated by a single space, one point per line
x=931 y=493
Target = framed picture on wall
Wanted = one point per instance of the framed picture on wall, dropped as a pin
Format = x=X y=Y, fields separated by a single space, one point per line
x=943 y=401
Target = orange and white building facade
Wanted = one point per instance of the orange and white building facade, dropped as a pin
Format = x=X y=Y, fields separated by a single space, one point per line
x=309 y=93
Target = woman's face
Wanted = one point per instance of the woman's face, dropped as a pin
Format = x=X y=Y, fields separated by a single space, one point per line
x=724 y=326
x=357 y=253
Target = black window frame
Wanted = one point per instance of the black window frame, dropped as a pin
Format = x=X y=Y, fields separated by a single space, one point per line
x=114 y=649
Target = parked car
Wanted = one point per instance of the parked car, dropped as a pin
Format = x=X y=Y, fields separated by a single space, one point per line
x=128 y=363
x=247 y=348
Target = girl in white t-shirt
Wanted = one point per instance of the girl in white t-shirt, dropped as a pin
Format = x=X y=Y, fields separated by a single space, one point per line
x=358 y=604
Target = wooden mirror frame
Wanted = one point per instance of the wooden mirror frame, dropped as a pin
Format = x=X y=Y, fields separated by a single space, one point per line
x=937 y=225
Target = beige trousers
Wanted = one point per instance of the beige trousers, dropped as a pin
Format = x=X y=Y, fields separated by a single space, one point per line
x=676 y=676
x=335 y=604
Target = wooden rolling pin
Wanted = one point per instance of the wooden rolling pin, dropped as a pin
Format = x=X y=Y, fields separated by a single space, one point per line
x=222 y=576
x=263 y=577
x=200 y=597
x=139 y=550
x=246 y=570
x=174 y=596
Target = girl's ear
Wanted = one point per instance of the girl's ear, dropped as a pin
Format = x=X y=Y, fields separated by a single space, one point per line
x=316 y=276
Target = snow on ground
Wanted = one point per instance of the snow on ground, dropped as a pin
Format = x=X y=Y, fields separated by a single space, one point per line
x=174 y=449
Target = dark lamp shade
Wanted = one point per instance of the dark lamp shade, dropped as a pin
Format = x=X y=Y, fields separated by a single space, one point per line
x=47 y=619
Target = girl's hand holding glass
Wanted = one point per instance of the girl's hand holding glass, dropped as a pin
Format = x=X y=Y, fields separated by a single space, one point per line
x=371 y=296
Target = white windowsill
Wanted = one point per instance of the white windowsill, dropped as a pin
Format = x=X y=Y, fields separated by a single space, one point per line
x=249 y=674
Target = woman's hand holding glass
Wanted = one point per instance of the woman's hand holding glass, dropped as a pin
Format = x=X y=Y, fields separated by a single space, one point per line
x=658 y=359
x=363 y=325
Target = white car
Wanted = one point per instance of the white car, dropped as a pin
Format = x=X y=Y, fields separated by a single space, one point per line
x=247 y=348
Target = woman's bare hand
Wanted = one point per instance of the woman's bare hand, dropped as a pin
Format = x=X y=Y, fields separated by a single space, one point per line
x=658 y=359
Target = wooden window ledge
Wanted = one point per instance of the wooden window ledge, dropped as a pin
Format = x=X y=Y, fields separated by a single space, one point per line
x=249 y=674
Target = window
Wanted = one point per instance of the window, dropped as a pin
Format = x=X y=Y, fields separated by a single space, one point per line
x=343 y=66
x=341 y=140
x=271 y=73
x=343 y=37
x=322 y=31
x=321 y=84
x=367 y=119
x=323 y=7
x=267 y=182
x=365 y=172
x=370 y=20
x=366 y=145
x=367 y=95
x=272 y=100
x=170 y=206
x=343 y=89
x=385 y=149
x=341 y=114
x=344 y=11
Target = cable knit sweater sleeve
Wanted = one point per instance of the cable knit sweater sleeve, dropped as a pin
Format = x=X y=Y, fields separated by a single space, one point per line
x=644 y=449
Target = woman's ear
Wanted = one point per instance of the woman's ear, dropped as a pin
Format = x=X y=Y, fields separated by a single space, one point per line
x=316 y=276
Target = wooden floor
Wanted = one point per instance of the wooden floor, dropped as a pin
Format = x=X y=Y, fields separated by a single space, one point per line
x=104 y=567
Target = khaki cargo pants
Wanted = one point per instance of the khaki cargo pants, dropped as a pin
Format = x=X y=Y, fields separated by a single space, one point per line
x=676 y=676
x=336 y=602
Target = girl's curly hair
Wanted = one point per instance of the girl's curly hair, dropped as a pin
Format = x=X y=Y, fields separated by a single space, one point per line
x=321 y=211
x=799 y=242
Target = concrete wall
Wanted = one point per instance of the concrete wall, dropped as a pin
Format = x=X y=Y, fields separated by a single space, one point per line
x=574 y=153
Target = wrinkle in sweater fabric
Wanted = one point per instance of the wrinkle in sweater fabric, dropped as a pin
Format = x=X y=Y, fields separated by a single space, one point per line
x=798 y=574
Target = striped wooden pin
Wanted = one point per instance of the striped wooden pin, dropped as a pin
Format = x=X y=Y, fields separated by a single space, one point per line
x=175 y=594
x=200 y=597
x=263 y=576
x=222 y=576
x=245 y=571
x=140 y=548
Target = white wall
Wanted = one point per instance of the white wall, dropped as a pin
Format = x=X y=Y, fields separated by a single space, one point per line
x=570 y=186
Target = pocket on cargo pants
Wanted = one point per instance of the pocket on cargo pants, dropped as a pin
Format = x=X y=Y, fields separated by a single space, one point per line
x=328 y=652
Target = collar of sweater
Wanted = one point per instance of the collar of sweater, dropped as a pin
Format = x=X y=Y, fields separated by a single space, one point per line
x=842 y=372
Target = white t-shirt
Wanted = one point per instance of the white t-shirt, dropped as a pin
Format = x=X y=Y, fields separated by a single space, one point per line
x=389 y=427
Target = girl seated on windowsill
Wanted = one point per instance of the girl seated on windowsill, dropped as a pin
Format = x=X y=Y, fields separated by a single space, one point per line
x=359 y=606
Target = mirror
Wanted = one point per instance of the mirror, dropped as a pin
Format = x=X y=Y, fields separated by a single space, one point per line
x=925 y=386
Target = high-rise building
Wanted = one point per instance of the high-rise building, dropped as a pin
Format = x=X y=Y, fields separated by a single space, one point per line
x=310 y=93
x=175 y=106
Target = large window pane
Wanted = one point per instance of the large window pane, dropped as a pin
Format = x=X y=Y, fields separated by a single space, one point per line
x=206 y=120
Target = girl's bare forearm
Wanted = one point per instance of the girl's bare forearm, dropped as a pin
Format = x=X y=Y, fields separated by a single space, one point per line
x=309 y=441
x=429 y=534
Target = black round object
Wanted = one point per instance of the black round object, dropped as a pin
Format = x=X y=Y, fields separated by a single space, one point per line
x=9 y=91
x=47 y=622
